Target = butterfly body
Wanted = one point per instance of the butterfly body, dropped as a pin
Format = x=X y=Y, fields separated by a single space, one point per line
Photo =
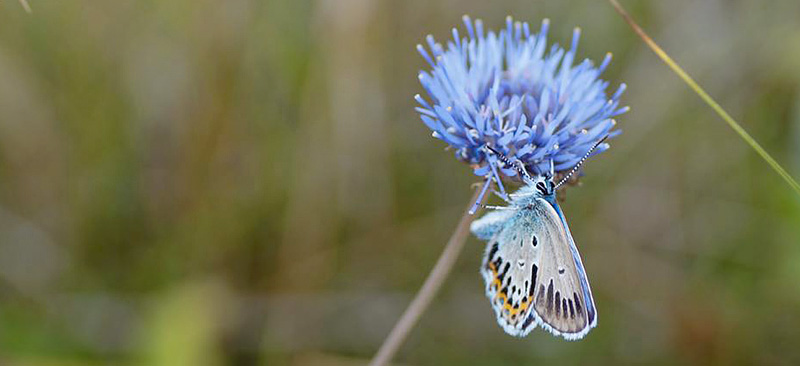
x=533 y=271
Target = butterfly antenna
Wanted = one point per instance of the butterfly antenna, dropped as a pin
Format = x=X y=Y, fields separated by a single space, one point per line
x=580 y=162
x=520 y=169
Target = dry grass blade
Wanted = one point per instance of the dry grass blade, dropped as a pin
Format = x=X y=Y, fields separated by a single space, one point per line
x=429 y=289
x=706 y=98
x=26 y=6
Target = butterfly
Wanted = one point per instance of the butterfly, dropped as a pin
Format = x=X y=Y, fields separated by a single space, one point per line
x=533 y=271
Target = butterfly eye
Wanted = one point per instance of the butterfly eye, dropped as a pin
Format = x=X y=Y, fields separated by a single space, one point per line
x=542 y=189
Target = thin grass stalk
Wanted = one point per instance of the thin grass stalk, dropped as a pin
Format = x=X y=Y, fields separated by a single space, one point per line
x=429 y=289
x=26 y=6
x=705 y=97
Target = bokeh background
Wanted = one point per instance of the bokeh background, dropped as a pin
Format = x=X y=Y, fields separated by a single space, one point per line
x=240 y=182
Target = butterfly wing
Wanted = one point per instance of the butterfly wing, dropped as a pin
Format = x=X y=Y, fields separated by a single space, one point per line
x=509 y=269
x=563 y=304
x=533 y=272
x=491 y=223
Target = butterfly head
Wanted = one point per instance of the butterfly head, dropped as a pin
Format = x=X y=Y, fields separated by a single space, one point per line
x=539 y=186
x=547 y=178
x=544 y=185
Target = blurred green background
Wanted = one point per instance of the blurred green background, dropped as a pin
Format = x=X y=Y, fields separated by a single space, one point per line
x=243 y=182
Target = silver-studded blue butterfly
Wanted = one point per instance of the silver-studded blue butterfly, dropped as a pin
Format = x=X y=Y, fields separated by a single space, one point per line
x=533 y=271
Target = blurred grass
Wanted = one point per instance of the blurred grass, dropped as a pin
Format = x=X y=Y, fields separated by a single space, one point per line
x=182 y=327
x=272 y=147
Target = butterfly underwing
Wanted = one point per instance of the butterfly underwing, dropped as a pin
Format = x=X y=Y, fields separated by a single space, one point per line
x=532 y=269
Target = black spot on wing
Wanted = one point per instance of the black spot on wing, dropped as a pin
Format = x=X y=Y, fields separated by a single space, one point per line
x=531 y=317
x=558 y=304
x=564 y=306
x=578 y=307
x=571 y=310
x=540 y=296
x=497 y=262
x=534 y=241
x=505 y=271
x=550 y=297
x=534 y=272
x=493 y=251
x=560 y=271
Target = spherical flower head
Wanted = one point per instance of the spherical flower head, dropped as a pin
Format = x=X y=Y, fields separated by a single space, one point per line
x=513 y=93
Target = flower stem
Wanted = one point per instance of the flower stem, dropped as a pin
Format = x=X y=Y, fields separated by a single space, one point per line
x=706 y=98
x=429 y=289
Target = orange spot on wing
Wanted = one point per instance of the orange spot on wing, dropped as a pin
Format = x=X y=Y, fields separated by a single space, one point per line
x=521 y=309
x=496 y=281
x=523 y=306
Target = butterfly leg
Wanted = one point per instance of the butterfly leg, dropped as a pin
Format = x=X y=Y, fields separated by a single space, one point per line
x=502 y=196
x=490 y=207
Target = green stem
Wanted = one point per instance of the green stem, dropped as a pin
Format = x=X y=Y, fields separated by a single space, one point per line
x=705 y=97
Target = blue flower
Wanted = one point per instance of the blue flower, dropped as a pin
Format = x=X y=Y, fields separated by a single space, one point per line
x=509 y=91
